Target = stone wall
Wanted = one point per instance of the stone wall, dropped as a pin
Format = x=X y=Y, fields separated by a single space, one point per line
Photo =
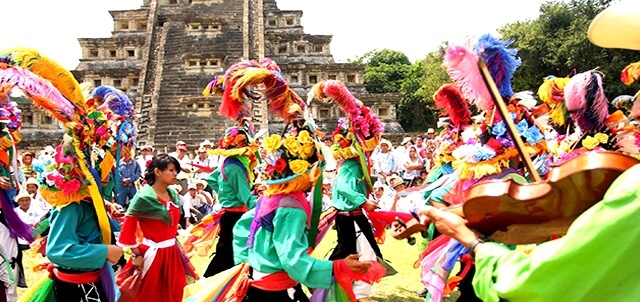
x=167 y=51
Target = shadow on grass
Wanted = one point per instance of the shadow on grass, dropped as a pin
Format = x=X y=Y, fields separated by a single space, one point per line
x=399 y=298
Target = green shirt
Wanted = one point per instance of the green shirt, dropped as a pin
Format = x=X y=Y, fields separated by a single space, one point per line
x=349 y=189
x=235 y=191
x=74 y=238
x=284 y=249
x=595 y=261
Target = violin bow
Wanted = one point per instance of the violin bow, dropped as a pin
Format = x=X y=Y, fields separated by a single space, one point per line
x=506 y=117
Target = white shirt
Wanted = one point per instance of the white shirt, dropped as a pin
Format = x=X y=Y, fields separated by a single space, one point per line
x=186 y=206
x=31 y=216
x=206 y=162
x=185 y=162
x=196 y=201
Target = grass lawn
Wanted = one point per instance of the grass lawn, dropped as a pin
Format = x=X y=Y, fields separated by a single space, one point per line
x=397 y=288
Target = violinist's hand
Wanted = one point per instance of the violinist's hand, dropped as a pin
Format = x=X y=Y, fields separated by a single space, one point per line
x=115 y=209
x=450 y=224
x=370 y=205
x=356 y=265
x=5 y=183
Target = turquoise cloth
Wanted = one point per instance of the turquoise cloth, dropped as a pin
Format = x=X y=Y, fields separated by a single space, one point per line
x=235 y=191
x=593 y=262
x=284 y=249
x=74 y=238
x=349 y=187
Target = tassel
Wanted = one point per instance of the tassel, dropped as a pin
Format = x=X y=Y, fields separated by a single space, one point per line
x=449 y=98
x=586 y=101
x=462 y=66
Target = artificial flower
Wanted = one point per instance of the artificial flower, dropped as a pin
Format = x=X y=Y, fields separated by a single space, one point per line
x=71 y=186
x=601 y=137
x=270 y=169
x=280 y=165
x=304 y=137
x=299 y=166
x=590 y=142
x=522 y=126
x=292 y=145
x=307 y=150
x=233 y=131
x=533 y=135
x=240 y=140
x=272 y=143
x=499 y=129
x=56 y=179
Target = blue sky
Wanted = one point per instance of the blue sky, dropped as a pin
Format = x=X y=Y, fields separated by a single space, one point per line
x=414 y=27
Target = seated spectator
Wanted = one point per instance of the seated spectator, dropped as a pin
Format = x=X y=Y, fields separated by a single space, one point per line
x=207 y=207
x=192 y=201
x=31 y=215
x=384 y=162
x=401 y=202
x=412 y=165
x=32 y=186
x=382 y=195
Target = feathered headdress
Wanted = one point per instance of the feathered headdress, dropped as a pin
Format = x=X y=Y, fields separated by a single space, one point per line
x=449 y=98
x=48 y=69
x=630 y=74
x=462 y=67
x=39 y=90
x=551 y=92
x=501 y=61
x=586 y=100
x=365 y=126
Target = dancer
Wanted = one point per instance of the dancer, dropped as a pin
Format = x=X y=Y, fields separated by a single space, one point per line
x=156 y=208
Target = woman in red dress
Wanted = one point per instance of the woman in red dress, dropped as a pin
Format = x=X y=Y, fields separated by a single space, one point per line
x=157 y=210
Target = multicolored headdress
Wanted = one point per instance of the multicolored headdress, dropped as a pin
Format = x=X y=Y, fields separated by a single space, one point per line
x=90 y=131
x=360 y=131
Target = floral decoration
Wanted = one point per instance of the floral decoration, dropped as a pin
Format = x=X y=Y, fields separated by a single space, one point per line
x=289 y=156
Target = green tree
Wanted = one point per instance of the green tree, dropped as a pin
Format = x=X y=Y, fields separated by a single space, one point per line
x=556 y=43
x=385 y=70
x=416 y=111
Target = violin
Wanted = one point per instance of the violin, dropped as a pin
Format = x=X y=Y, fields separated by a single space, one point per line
x=515 y=213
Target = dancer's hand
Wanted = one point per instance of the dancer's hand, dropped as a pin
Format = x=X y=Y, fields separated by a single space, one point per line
x=5 y=183
x=450 y=224
x=114 y=253
x=356 y=265
x=138 y=262
x=370 y=205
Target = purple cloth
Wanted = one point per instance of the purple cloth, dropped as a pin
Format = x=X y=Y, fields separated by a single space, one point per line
x=108 y=282
x=265 y=210
x=17 y=228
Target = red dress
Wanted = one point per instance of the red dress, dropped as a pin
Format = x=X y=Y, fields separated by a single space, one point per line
x=166 y=276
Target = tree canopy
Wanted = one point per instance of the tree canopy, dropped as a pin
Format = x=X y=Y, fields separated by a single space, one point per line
x=555 y=43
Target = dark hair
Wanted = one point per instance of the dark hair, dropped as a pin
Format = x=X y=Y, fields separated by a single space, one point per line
x=160 y=161
x=419 y=136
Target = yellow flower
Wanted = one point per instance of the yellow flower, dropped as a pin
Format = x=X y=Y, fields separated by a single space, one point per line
x=299 y=166
x=601 y=137
x=590 y=142
x=307 y=151
x=304 y=137
x=292 y=145
x=272 y=143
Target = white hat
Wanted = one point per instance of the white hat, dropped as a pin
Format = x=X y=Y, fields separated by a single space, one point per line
x=386 y=142
x=378 y=184
x=22 y=194
x=326 y=181
x=395 y=180
x=31 y=181
x=406 y=140
x=206 y=143
x=618 y=26
x=430 y=130
x=49 y=150
x=200 y=182
x=191 y=186
x=176 y=187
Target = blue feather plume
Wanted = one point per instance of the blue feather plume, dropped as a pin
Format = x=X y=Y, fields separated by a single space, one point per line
x=501 y=61
x=116 y=100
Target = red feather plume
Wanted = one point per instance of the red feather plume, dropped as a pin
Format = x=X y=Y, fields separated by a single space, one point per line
x=450 y=99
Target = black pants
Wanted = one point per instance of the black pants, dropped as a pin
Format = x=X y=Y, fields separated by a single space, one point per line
x=223 y=257
x=467 y=294
x=347 y=236
x=255 y=294
x=88 y=292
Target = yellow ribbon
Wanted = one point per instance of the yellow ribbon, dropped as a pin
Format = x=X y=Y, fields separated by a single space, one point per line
x=96 y=196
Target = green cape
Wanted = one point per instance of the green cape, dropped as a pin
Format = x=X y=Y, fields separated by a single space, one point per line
x=145 y=205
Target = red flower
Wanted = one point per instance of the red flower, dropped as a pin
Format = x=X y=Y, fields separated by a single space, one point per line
x=494 y=144
x=270 y=170
x=344 y=143
x=280 y=165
